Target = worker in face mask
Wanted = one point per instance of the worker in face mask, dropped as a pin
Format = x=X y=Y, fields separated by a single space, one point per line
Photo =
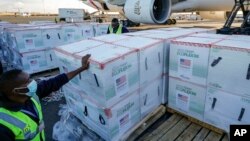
x=20 y=109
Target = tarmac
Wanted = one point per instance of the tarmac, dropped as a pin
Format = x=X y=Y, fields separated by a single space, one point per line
x=50 y=114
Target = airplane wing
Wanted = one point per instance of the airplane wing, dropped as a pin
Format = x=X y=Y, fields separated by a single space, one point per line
x=97 y=4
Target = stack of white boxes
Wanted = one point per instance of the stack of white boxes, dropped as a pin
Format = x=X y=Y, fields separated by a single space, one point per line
x=188 y=70
x=166 y=37
x=30 y=47
x=228 y=94
x=106 y=96
x=27 y=49
x=151 y=62
x=122 y=85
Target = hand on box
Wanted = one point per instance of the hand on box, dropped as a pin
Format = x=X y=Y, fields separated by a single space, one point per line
x=85 y=61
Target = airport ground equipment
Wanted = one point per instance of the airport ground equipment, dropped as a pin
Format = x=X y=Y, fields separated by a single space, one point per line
x=245 y=26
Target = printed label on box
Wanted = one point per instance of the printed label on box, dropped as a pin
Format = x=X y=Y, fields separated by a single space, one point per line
x=124 y=121
x=29 y=43
x=34 y=64
x=121 y=84
x=185 y=67
x=182 y=100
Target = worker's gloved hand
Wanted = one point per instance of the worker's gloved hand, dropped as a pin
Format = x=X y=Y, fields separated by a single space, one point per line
x=85 y=61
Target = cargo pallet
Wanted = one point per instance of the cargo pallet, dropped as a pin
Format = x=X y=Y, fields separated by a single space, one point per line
x=178 y=127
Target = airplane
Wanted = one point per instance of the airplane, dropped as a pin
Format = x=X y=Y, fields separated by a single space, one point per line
x=159 y=11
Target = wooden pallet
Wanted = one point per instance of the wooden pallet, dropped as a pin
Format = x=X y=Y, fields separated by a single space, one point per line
x=137 y=130
x=180 y=127
x=208 y=126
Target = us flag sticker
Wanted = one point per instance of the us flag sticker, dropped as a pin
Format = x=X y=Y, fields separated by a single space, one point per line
x=121 y=84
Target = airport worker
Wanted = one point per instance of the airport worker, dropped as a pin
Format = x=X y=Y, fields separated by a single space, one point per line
x=20 y=110
x=116 y=28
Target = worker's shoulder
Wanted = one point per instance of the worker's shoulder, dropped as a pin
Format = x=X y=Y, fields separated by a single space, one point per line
x=124 y=29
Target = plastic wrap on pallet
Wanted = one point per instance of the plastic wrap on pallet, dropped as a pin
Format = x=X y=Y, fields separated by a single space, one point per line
x=151 y=96
x=187 y=98
x=150 y=56
x=189 y=59
x=117 y=64
x=70 y=128
x=110 y=122
x=229 y=67
x=224 y=109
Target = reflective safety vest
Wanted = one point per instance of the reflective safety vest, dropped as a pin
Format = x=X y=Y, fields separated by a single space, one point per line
x=119 y=30
x=21 y=125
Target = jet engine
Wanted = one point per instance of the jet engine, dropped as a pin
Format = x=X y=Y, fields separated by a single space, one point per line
x=148 y=11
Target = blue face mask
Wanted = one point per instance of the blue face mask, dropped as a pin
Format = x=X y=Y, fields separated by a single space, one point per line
x=31 y=89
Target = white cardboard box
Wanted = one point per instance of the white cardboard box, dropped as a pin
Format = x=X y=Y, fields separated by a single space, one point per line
x=239 y=37
x=100 y=29
x=187 y=98
x=167 y=39
x=229 y=66
x=33 y=62
x=110 y=38
x=71 y=33
x=223 y=109
x=189 y=59
x=25 y=39
x=165 y=88
x=116 y=64
x=150 y=56
x=52 y=36
x=51 y=59
x=151 y=96
x=210 y=35
x=87 y=30
x=109 y=122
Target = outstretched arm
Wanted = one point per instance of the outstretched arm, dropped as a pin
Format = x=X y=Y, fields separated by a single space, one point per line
x=45 y=87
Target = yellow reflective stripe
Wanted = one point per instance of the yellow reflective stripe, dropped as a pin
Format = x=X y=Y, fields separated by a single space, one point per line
x=110 y=29
x=38 y=108
x=119 y=31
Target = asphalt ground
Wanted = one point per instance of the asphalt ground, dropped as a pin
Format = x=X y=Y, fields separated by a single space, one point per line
x=50 y=114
